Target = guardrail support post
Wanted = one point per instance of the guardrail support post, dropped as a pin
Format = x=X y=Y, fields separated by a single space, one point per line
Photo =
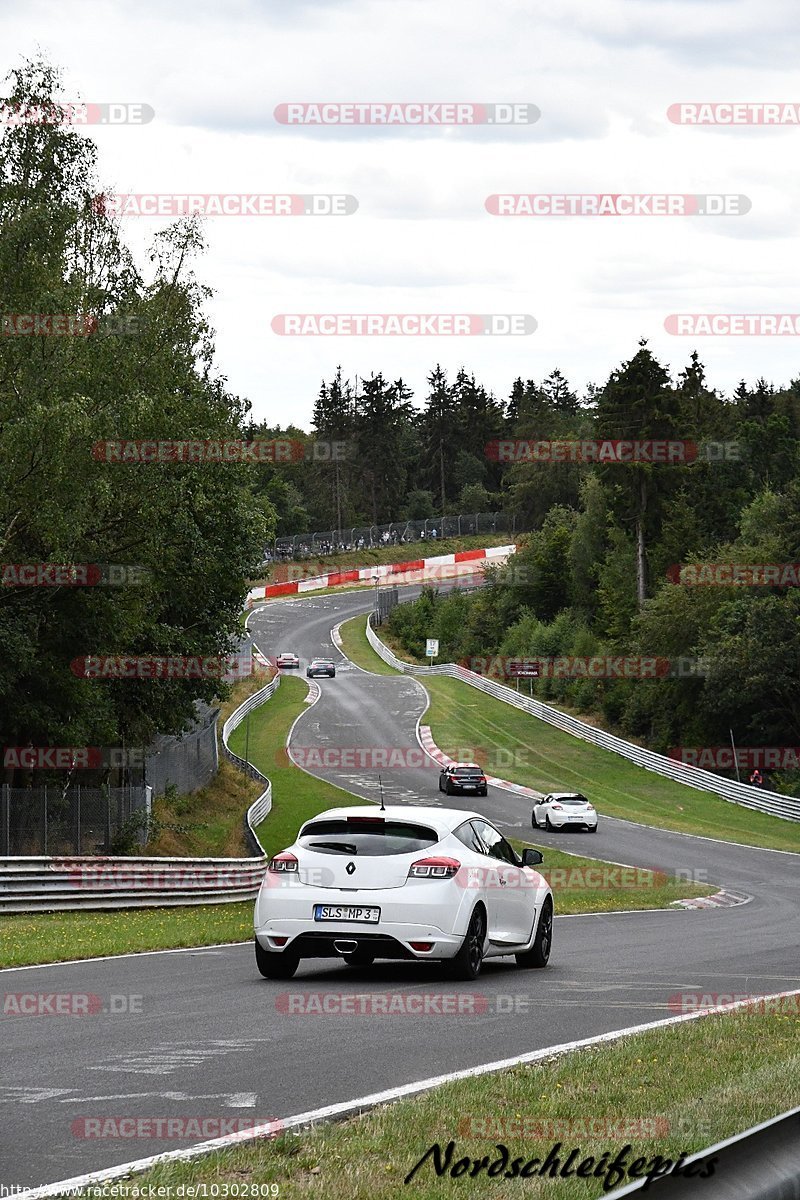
x=5 y=818
x=76 y=834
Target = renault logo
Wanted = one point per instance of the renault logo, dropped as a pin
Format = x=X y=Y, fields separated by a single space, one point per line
x=350 y=868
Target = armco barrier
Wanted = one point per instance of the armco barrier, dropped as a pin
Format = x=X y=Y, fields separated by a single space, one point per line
x=58 y=884
x=365 y=575
x=785 y=807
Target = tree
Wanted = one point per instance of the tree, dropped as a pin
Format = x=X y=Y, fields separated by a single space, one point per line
x=195 y=531
x=637 y=403
x=383 y=415
x=437 y=433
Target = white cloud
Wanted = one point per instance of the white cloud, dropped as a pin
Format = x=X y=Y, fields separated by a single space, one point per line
x=603 y=77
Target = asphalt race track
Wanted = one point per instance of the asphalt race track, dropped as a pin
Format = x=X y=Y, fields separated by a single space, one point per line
x=213 y=1039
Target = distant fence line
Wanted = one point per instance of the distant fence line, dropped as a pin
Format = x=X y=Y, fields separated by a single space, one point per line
x=396 y=533
x=78 y=819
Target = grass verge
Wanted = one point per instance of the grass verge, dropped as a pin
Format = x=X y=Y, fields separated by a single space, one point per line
x=296 y=796
x=27 y=938
x=579 y=884
x=587 y=885
x=209 y=821
x=517 y=746
x=357 y=648
x=54 y=937
x=667 y=1092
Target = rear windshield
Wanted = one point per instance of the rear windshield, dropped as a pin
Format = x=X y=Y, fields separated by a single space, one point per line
x=572 y=800
x=370 y=836
x=467 y=771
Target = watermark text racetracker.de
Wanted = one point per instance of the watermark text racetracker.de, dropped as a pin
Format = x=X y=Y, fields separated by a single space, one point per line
x=615 y=204
x=731 y=574
x=158 y=1128
x=161 y=666
x=741 y=758
x=72 y=758
x=377 y=114
x=666 y=451
x=595 y=666
x=733 y=324
x=403 y=324
x=57 y=575
x=749 y=1003
x=737 y=112
x=44 y=324
x=225 y=204
x=76 y=112
x=106 y=875
x=214 y=450
x=70 y=1004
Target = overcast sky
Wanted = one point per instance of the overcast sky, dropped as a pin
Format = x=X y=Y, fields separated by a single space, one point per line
x=603 y=75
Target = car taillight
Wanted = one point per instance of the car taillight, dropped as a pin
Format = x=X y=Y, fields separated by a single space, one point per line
x=558 y=806
x=434 y=868
x=283 y=863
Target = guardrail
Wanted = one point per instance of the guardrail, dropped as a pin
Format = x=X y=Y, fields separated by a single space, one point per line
x=785 y=807
x=439 y=566
x=55 y=884
x=762 y=1163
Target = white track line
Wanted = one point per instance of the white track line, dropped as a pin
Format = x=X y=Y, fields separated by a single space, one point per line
x=354 y=1107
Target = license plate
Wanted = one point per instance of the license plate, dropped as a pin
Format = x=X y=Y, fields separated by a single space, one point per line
x=469 y=787
x=577 y=818
x=346 y=912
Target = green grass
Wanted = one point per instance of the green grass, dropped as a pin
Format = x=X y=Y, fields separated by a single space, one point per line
x=53 y=937
x=519 y=747
x=358 y=649
x=588 y=885
x=27 y=938
x=296 y=796
x=668 y=1091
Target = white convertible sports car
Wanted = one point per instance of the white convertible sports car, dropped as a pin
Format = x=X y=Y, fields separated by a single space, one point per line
x=560 y=810
x=406 y=883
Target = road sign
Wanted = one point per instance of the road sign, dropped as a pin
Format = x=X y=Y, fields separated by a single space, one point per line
x=522 y=668
x=432 y=647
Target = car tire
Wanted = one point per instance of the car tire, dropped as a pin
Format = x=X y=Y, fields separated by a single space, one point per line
x=468 y=962
x=484 y=792
x=548 y=824
x=592 y=829
x=539 y=953
x=448 y=787
x=534 y=822
x=359 y=958
x=276 y=966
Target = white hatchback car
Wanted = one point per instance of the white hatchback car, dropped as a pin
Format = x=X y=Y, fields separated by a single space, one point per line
x=562 y=809
x=402 y=882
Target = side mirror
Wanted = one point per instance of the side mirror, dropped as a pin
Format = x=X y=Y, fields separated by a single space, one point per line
x=532 y=858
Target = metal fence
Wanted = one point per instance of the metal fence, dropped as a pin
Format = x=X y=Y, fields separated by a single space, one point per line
x=187 y=761
x=62 y=883
x=786 y=807
x=385 y=600
x=396 y=533
x=72 y=820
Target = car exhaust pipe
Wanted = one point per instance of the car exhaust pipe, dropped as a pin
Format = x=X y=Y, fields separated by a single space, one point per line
x=345 y=946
